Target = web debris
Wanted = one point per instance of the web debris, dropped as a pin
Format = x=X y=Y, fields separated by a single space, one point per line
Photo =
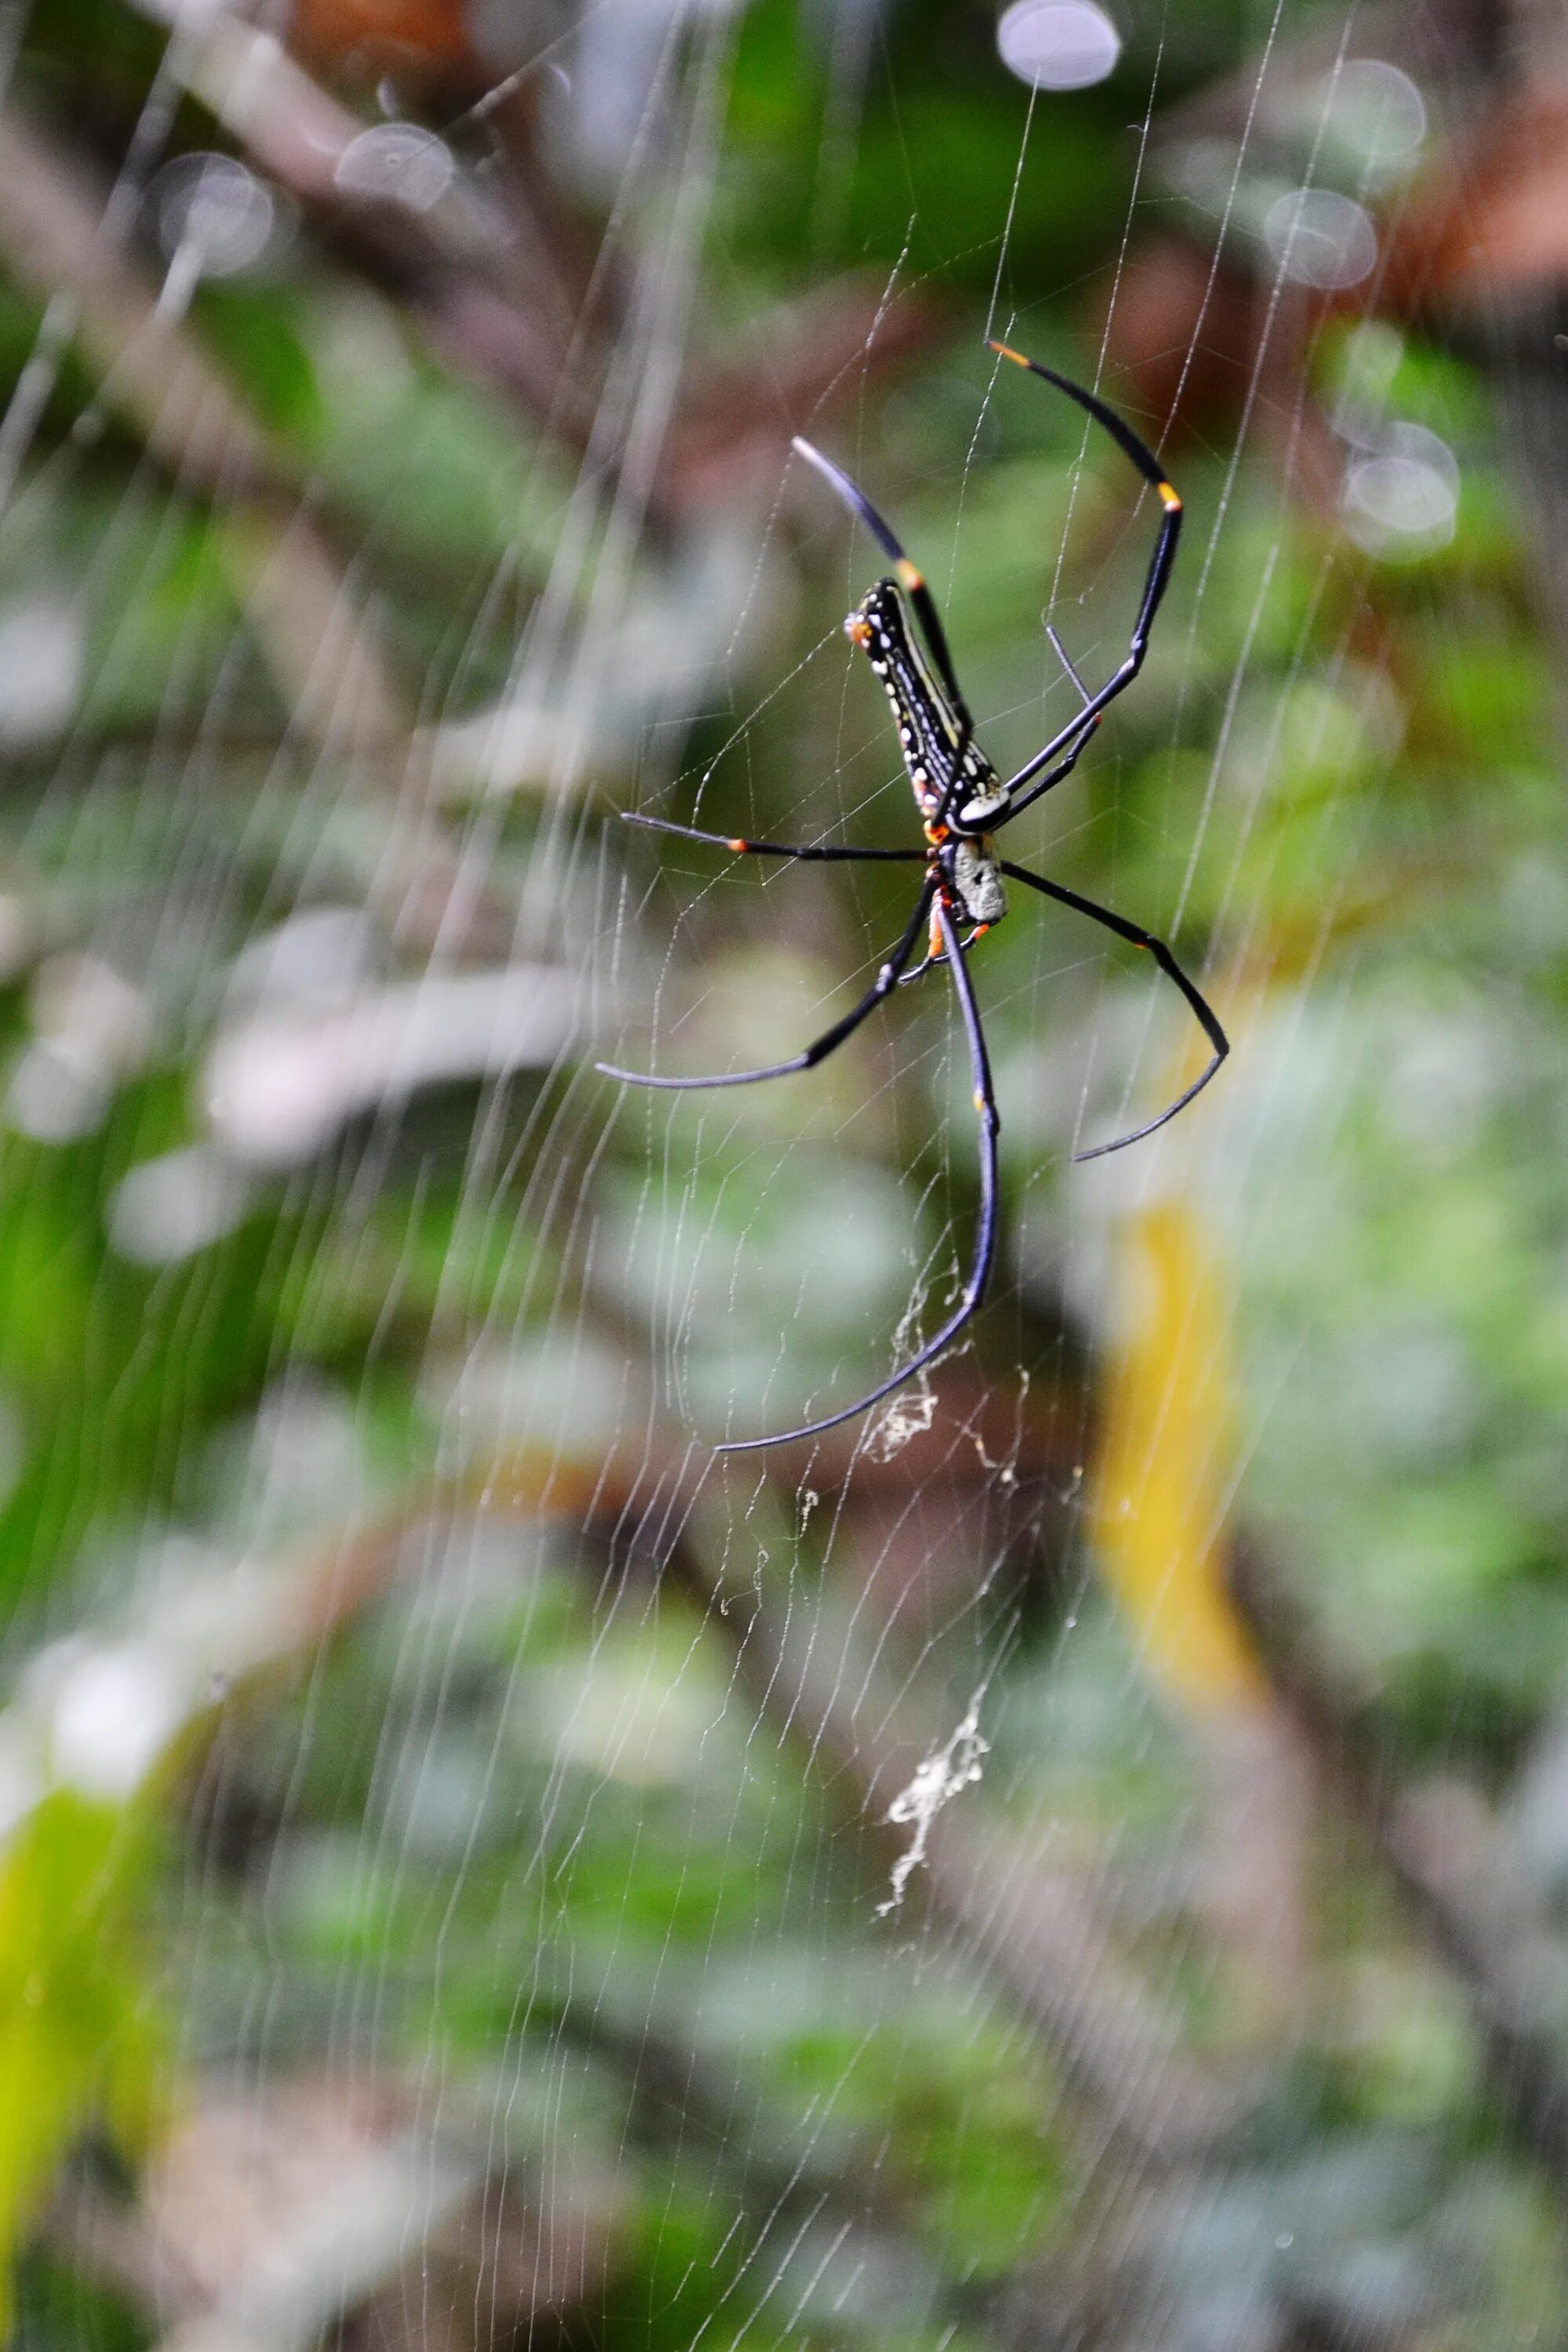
x=911 y=1410
x=911 y=1415
x=937 y=1781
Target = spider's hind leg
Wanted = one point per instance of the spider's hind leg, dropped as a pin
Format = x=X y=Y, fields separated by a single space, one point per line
x=820 y=1048
x=1136 y=936
x=938 y=954
x=985 y=1239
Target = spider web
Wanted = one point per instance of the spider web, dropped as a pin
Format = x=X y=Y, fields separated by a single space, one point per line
x=1071 y=1857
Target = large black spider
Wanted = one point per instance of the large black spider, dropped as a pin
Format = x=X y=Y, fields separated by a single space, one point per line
x=962 y=802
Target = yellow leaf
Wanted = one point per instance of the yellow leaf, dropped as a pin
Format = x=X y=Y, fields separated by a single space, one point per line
x=1165 y=1458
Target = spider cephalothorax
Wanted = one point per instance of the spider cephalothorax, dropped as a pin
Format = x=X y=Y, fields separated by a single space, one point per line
x=962 y=802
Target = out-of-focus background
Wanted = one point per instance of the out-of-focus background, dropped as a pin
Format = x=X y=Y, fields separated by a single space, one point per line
x=1079 y=1858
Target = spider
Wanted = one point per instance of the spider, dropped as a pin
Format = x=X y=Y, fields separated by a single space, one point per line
x=963 y=803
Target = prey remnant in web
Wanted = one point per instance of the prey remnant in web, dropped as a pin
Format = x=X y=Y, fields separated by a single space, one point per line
x=940 y=1778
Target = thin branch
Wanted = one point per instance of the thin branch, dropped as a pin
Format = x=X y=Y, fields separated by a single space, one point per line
x=294 y=585
x=484 y=275
x=148 y=367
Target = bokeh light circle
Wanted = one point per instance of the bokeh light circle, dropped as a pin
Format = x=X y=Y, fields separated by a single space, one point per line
x=213 y=205
x=1058 y=44
x=1374 y=109
x=1402 y=499
x=1318 y=239
x=399 y=161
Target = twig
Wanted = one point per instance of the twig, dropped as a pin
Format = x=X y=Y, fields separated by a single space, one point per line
x=148 y=366
x=294 y=585
x=460 y=264
x=484 y=277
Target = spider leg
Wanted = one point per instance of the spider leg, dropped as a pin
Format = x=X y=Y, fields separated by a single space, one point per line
x=1067 y=664
x=919 y=970
x=820 y=1048
x=825 y=853
x=985 y=1239
x=1203 y=1011
x=1064 y=767
x=1134 y=446
x=911 y=578
x=1057 y=773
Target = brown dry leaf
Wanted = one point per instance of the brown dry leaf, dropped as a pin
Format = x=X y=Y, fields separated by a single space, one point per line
x=1492 y=218
x=366 y=39
x=278 y=2210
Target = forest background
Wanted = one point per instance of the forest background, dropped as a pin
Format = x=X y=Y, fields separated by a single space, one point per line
x=1080 y=1857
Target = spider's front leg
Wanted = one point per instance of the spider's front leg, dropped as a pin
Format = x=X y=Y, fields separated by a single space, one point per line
x=1008 y=808
x=1156 y=579
x=823 y=853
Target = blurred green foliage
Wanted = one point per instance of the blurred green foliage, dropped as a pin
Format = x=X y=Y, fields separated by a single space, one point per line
x=514 y=1826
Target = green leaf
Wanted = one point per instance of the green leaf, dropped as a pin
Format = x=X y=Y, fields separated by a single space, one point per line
x=79 y=2035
